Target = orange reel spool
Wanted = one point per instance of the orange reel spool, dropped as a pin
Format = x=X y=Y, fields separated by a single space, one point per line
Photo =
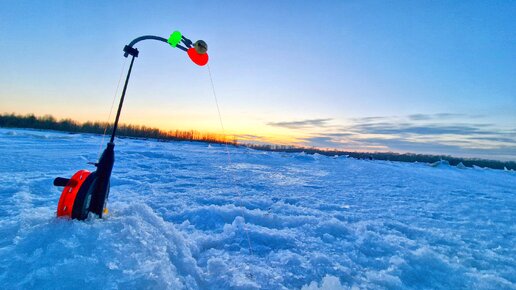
x=69 y=194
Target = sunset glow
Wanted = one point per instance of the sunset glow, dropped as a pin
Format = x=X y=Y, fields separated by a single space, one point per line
x=352 y=76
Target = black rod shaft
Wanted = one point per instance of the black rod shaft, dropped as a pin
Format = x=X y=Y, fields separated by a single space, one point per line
x=115 y=126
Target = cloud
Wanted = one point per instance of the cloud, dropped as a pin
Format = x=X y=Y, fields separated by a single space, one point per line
x=467 y=147
x=303 y=124
x=322 y=141
x=439 y=116
x=497 y=138
x=370 y=119
x=419 y=117
x=418 y=133
x=340 y=134
x=439 y=147
x=430 y=129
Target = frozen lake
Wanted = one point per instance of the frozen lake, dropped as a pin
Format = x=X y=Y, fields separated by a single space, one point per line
x=177 y=209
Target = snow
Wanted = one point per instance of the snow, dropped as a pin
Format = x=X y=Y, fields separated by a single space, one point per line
x=182 y=217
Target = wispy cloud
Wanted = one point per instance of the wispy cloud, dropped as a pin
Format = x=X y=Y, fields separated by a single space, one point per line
x=442 y=147
x=443 y=133
x=370 y=119
x=303 y=124
x=430 y=129
x=439 y=116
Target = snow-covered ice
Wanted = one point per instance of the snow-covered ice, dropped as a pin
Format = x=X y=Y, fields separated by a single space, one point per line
x=177 y=211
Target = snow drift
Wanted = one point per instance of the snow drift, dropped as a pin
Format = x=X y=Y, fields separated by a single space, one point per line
x=181 y=217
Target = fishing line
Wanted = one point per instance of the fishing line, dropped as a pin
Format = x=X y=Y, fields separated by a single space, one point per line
x=112 y=105
x=232 y=177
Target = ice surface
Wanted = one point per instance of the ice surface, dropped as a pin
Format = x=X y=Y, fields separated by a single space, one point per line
x=176 y=220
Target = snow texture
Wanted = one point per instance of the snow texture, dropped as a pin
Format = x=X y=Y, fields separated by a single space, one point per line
x=181 y=217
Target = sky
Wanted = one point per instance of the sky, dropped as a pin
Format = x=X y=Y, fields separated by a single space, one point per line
x=433 y=77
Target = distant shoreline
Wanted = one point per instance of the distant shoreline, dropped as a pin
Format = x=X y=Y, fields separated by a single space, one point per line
x=392 y=156
x=48 y=122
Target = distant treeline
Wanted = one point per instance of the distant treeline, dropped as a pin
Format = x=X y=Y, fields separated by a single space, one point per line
x=391 y=156
x=48 y=122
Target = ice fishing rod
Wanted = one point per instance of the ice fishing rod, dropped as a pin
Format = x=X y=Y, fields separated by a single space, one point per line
x=87 y=191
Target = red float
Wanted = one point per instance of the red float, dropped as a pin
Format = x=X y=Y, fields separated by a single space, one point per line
x=197 y=58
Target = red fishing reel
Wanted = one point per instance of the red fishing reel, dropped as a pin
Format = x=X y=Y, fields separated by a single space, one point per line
x=76 y=196
x=86 y=191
